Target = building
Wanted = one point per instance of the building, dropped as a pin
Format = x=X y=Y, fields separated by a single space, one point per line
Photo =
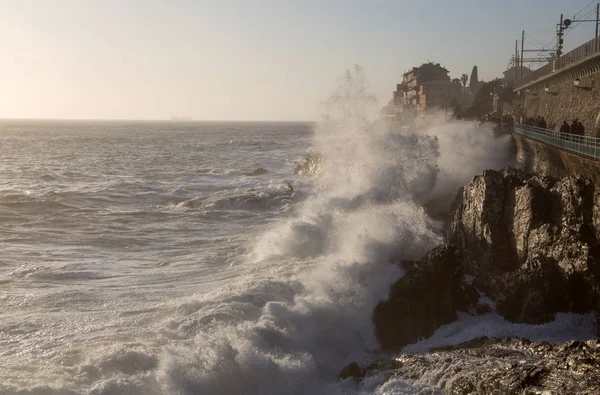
x=436 y=94
x=511 y=75
x=425 y=87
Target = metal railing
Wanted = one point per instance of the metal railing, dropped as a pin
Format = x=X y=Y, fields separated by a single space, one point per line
x=581 y=52
x=581 y=145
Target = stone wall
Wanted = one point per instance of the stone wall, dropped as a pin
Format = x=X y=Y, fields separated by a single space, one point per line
x=543 y=159
x=565 y=102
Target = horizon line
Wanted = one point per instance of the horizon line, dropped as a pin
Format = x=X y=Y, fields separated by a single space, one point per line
x=148 y=120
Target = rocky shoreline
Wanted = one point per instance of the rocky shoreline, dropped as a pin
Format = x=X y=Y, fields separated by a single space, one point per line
x=531 y=246
x=495 y=366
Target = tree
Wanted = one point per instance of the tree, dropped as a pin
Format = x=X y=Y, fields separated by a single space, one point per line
x=464 y=79
x=474 y=77
x=482 y=103
x=474 y=83
x=457 y=108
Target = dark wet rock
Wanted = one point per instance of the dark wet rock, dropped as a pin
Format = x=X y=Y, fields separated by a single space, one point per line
x=386 y=366
x=351 y=370
x=481 y=308
x=289 y=187
x=530 y=243
x=310 y=166
x=426 y=297
x=502 y=366
x=258 y=172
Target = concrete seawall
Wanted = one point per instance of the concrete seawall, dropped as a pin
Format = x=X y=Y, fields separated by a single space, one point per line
x=555 y=96
x=540 y=158
x=564 y=102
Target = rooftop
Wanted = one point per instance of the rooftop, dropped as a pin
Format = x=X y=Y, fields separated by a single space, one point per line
x=427 y=65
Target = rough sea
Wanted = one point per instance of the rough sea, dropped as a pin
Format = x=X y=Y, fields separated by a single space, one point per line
x=146 y=258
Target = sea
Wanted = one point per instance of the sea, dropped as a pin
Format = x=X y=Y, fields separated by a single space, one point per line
x=189 y=258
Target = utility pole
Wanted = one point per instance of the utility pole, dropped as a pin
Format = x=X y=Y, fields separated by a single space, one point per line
x=597 y=18
x=516 y=57
x=566 y=23
x=597 y=21
x=559 y=37
x=522 y=43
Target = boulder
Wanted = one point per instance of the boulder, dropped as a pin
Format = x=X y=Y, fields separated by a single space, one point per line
x=428 y=295
x=310 y=166
x=350 y=370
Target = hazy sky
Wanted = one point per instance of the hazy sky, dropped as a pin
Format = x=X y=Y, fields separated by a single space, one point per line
x=245 y=60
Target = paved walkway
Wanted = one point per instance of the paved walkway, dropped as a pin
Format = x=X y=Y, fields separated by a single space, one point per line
x=581 y=145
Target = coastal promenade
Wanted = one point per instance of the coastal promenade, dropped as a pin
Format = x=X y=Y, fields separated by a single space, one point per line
x=566 y=88
x=585 y=146
x=550 y=153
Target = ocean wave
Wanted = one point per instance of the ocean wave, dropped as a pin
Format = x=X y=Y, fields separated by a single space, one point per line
x=366 y=210
x=31 y=205
x=49 y=273
x=298 y=306
x=261 y=201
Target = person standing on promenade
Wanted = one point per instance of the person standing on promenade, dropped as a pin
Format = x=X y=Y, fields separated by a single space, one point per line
x=565 y=128
x=580 y=128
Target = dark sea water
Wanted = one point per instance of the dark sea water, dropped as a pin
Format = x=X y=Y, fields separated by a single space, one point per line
x=143 y=258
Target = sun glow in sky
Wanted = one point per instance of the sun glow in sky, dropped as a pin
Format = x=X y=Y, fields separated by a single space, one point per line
x=244 y=60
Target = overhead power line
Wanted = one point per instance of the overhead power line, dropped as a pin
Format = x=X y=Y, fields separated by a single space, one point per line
x=572 y=27
x=582 y=10
x=584 y=13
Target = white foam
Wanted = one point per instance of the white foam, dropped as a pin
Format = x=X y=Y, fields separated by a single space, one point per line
x=298 y=309
x=365 y=210
x=565 y=327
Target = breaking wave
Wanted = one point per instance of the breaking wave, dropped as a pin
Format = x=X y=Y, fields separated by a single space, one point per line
x=303 y=310
x=301 y=307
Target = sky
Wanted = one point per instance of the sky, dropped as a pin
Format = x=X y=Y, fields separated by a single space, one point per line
x=246 y=59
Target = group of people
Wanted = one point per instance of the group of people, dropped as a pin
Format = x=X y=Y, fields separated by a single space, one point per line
x=505 y=123
x=575 y=128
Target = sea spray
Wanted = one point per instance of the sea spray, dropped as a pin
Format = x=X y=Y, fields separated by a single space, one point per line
x=302 y=309
x=466 y=148
x=363 y=212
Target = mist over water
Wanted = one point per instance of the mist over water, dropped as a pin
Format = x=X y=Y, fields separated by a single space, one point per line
x=177 y=273
x=331 y=259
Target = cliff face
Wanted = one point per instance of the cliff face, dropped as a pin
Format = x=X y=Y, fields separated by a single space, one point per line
x=529 y=243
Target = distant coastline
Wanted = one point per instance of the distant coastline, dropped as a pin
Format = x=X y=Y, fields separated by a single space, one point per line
x=181 y=119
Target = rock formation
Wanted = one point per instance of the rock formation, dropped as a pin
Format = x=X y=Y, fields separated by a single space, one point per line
x=497 y=366
x=531 y=245
x=310 y=166
x=426 y=297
